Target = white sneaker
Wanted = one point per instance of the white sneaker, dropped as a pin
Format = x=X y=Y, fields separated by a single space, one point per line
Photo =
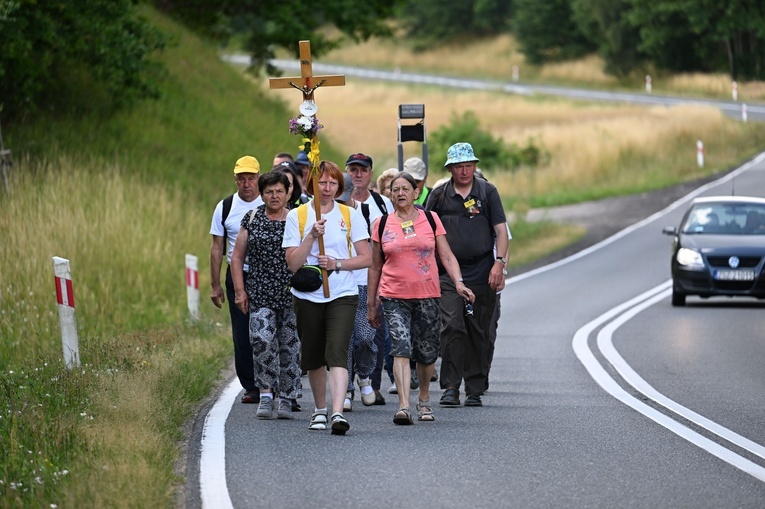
x=392 y=389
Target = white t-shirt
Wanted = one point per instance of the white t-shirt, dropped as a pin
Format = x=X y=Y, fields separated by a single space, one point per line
x=374 y=213
x=341 y=283
x=239 y=208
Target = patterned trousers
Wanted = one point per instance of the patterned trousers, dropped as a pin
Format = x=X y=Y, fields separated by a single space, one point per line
x=362 y=351
x=276 y=351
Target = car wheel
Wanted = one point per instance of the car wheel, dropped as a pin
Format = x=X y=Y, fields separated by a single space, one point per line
x=678 y=299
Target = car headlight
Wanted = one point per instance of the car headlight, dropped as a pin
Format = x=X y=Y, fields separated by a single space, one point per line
x=690 y=259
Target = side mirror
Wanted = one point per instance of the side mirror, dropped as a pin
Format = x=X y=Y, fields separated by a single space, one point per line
x=669 y=230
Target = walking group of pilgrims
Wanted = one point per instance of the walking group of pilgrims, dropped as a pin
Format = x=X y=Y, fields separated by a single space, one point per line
x=413 y=274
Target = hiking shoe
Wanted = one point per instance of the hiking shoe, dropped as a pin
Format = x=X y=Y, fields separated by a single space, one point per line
x=473 y=400
x=318 y=421
x=251 y=397
x=450 y=397
x=339 y=424
x=265 y=408
x=392 y=389
x=379 y=398
x=367 y=399
x=285 y=410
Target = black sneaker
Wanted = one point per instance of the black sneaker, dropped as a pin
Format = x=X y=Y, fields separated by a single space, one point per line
x=251 y=397
x=473 y=400
x=451 y=397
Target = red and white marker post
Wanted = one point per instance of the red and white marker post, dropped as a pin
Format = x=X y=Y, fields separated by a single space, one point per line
x=700 y=153
x=744 y=114
x=734 y=91
x=648 y=83
x=66 y=318
x=192 y=286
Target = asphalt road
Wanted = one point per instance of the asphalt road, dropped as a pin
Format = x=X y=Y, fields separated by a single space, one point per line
x=563 y=423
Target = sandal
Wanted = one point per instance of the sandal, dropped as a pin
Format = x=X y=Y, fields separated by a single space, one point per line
x=403 y=416
x=318 y=421
x=425 y=412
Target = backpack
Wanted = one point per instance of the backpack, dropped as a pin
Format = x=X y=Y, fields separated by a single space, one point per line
x=344 y=209
x=227 y=202
x=384 y=219
x=380 y=202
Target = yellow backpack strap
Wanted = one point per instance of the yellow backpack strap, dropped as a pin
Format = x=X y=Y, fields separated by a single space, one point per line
x=346 y=211
x=302 y=218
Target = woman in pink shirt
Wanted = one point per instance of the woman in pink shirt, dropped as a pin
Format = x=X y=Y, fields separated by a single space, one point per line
x=404 y=276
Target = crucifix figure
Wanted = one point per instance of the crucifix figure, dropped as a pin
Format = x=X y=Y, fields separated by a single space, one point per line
x=307 y=83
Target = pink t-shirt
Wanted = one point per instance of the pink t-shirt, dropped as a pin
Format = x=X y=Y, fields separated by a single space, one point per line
x=410 y=270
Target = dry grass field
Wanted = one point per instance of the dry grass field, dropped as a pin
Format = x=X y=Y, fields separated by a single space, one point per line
x=596 y=149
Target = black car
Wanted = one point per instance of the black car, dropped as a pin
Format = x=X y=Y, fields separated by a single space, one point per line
x=719 y=249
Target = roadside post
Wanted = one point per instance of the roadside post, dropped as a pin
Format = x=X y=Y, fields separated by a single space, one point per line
x=734 y=91
x=516 y=72
x=744 y=114
x=700 y=154
x=412 y=132
x=648 y=83
x=67 y=321
x=192 y=286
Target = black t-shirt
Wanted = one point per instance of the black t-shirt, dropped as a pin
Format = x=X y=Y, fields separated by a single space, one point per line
x=469 y=223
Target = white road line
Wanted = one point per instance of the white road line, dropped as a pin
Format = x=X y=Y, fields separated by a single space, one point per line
x=606 y=347
x=601 y=376
x=212 y=462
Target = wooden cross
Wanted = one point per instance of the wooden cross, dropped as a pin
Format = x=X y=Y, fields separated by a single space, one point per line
x=307 y=83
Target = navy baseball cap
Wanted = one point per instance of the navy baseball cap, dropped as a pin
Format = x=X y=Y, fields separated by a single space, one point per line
x=359 y=158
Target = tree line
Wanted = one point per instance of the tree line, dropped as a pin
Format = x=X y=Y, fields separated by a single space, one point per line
x=47 y=46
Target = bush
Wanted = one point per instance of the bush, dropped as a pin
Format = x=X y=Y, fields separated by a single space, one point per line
x=493 y=152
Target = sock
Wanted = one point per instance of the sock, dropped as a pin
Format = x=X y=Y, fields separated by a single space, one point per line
x=366 y=389
x=320 y=410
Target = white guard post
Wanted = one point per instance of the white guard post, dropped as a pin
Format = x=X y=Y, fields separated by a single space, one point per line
x=516 y=72
x=66 y=318
x=192 y=286
x=744 y=114
x=700 y=153
x=648 y=83
x=734 y=91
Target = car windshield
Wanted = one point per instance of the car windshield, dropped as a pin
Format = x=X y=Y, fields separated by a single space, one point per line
x=726 y=219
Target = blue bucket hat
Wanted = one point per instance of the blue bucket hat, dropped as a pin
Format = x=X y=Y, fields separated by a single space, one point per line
x=302 y=158
x=460 y=153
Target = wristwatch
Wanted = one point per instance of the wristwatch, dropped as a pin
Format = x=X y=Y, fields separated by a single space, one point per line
x=502 y=259
x=338 y=265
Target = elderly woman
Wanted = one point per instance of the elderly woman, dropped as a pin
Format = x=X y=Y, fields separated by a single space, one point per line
x=383 y=181
x=404 y=275
x=325 y=324
x=264 y=295
x=295 y=191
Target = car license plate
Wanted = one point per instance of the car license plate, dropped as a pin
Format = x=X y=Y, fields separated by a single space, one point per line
x=734 y=275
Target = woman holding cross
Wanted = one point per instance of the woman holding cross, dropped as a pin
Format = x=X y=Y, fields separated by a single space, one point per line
x=325 y=323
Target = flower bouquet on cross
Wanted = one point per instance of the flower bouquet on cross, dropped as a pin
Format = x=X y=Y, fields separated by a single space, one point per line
x=306 y=127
